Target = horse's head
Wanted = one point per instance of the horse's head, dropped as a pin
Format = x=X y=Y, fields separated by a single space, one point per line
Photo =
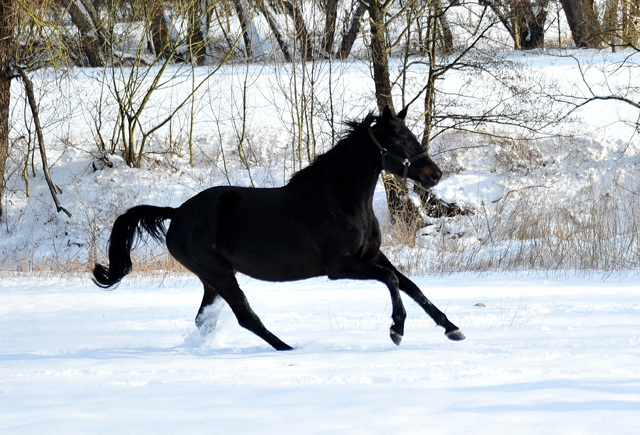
x=402 y=153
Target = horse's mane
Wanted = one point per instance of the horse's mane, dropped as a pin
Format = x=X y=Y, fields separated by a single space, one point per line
x=355 y=129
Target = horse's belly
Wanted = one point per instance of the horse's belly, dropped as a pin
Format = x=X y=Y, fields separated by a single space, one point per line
x=287 y=272
x=278 y=267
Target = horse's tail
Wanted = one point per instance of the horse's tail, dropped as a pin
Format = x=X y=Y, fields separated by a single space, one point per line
x=126 y=229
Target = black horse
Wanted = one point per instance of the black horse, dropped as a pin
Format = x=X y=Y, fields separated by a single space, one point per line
x=320 y=223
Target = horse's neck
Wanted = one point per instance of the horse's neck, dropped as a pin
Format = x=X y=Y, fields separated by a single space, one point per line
x=348 y=172
x=356 y=177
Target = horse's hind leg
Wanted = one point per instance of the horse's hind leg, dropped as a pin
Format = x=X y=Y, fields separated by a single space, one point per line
x=239 y=304
x=207 y=317
x=406 y=285
x=217 y=275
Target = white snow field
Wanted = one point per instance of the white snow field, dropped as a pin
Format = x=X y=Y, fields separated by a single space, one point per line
x=542 y=356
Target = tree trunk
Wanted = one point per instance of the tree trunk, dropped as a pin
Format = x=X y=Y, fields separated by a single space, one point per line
x=401 y=209
x=158 y=29
x=7 y=25
x=431 y=42
x=630 y=22
x=525 y=21
x=273 y=25
x=301 y=29
x=445 y=29
x=610 y=24
x=245 y=23
x=350 y=35
x=529 y=18
x=91 y=38
x=198 y=31
x=379 y=56
x=330 y=15
x=583 y=22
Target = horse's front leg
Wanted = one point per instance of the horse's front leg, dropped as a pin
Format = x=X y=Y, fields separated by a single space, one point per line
x=354 y=268
x=406 y=285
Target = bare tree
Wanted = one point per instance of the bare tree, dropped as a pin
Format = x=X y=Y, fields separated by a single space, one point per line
x=301 y=34
x=330 y=15
x=621 y=23
x=605 y=81
x=351 y=31
x=28 y=87
x=9 y=69
x=400 y=206
x=379 y=52
x=523 y=19
x=630 y=22
x=7 y=52
x=583 y=22
x=84 y=17
x=199 y=13
x=159 y=30
x=275 y=30
x=245 y=26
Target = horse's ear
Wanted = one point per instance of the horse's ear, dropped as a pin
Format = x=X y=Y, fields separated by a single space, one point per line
x=403 y=113
x=386 y=114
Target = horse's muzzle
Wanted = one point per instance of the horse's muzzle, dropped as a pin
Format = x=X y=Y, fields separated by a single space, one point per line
x=431 y=175
x=435 y=175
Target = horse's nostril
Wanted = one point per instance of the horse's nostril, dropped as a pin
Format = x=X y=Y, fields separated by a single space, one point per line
x=436 y=175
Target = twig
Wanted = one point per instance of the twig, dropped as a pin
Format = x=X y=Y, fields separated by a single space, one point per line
x=28 y=87
x=487 y=219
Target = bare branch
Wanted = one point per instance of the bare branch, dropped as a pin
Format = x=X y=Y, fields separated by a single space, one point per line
x=28 y=87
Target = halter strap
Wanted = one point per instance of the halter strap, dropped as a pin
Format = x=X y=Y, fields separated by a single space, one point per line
x=384 y=153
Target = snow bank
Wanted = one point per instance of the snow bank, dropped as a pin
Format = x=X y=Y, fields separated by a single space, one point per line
x=542 y=356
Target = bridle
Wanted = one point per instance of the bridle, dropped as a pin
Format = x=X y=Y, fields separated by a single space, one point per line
x=405 y=161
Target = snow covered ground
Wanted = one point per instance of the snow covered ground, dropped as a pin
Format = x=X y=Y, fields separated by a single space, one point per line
x=542 y=356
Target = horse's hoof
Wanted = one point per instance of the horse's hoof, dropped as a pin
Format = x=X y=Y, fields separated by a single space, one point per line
x=284 y=347
x=395 y=337
x=206 y=325
x=207 y=329
x=455 y=335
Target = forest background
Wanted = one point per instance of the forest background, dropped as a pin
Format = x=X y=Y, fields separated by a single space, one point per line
x=530 y=107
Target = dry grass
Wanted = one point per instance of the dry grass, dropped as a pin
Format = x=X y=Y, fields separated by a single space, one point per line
x=557 y=219
x=145 y=263
x=523 y=232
